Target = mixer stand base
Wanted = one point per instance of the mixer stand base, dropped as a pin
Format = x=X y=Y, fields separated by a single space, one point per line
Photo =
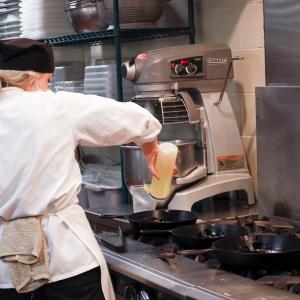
x=213 y=185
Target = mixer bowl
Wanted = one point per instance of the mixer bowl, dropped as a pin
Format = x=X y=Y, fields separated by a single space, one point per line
x=85 y=16
x=136 y=168
x=134 y=11
x=186 y=160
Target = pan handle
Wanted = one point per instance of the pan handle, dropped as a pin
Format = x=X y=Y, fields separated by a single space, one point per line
x=155 y=231
x=187 y=252
x=104 y=216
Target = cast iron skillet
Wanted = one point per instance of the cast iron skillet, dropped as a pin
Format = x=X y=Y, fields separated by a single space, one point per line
x=201 y=236
x=161 y=219
x=261 y=251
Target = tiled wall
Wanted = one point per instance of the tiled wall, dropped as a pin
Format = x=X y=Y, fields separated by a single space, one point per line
x=239 y=23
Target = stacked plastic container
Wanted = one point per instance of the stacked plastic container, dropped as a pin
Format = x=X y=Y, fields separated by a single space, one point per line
x=101 y=80
x=10 y=26
x=102 y=185
x=68 y=78
x=43 y=18
x=69 y=86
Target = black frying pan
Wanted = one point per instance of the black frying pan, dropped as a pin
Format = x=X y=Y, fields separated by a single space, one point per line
x=200 y=236
x=161 y=219
x=264 y=251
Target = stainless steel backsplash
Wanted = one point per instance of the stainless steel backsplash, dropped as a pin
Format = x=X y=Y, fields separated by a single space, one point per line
x=282 y=41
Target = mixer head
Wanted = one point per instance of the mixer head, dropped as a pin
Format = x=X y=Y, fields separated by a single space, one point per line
x=202 y=65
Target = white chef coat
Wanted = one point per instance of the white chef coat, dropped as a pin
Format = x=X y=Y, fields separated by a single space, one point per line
x=39 y=175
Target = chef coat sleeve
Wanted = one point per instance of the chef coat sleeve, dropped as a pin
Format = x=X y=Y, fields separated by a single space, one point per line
x=99 y=121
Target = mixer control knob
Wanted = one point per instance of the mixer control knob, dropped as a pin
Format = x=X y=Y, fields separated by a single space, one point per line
x=191 y=69
x=179 y=69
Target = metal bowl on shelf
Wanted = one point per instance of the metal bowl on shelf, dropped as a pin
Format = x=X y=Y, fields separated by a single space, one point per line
x=133 y=11
x=85 y=15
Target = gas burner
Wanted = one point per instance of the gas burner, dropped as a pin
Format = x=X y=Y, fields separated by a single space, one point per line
x=262 y=225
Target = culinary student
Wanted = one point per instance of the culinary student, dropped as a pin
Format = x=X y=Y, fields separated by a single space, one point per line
x=40 y=177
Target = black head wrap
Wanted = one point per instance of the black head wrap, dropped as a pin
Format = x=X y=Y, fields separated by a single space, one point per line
x=26 y=55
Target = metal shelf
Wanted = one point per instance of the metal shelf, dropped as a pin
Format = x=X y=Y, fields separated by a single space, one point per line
x=108 y=36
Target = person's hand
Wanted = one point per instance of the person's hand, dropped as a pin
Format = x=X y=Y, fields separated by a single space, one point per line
x=150 y=151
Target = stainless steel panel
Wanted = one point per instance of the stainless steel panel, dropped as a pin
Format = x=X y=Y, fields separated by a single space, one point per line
x=282 y=41
x=278 y=150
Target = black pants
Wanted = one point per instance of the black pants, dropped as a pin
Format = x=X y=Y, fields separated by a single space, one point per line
x=85 y=286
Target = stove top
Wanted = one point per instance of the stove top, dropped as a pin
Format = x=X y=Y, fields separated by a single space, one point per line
x=196 y=273
x=186 y=278
x=287 y=278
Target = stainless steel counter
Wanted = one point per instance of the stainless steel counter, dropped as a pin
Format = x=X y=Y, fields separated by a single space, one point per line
x=185 y=277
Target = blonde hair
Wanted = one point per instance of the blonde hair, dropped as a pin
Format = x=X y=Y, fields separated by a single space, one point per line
x=16 y=78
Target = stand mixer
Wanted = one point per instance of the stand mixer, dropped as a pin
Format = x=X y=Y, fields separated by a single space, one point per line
x=184 y=87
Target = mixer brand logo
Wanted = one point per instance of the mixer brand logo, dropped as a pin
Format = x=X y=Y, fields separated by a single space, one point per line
x=217 y=60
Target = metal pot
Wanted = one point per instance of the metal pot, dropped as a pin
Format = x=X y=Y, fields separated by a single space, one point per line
x=134 y=11
x=136 y=167
x=85 y=16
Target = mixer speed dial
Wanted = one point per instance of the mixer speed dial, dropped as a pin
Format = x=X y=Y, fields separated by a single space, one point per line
x=191 y=69
x=187 y=67
x=179 y=69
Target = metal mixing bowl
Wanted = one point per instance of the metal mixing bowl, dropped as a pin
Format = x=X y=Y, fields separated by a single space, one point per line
x=133 y=11
x=136 y=168
x=85 y=16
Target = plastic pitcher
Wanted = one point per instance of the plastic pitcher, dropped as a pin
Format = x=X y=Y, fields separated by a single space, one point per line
x=166 y=160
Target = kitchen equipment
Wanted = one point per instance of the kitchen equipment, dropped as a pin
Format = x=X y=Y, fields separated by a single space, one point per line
x=183 y=87
x=107 y=192
x=265 y=251
x=200 y=236
x=85 y=15
x=278 y=143
x=161 y=219
x=101 y=180
x=41 y=19
x=136 y=168
x=141 y=270
x=133 y=13
x=10 y=20
x=278 y=147
x=68 y=86
x=100 y=80
x=133 y=157
x=203 y=235
x=165 y=163
x=186 y=160
x=69 y=71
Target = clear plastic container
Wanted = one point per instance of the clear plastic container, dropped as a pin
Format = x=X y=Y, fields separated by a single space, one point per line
x=165 y=162
x=141 y=199
x=102 y=184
